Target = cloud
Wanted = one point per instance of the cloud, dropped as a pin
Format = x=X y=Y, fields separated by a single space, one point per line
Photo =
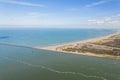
x=22 y=3
x=37 y=14
x=39 y=19
x=97 y=3
x=73 y=9
x=118 y=15
x=107 y=21
x=98 y=22
x=30 y=18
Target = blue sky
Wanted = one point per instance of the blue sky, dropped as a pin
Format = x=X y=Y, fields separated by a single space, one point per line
x=60 y=13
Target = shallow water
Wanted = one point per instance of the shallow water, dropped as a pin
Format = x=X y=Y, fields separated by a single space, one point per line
x=46 y=37
x=23 y=63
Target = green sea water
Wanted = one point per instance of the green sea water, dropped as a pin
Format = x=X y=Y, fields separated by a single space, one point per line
x=24 y=63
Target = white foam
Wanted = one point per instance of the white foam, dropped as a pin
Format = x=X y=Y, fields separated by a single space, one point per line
x=54 y=70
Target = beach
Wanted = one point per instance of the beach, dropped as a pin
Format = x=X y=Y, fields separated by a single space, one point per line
x=104 y=39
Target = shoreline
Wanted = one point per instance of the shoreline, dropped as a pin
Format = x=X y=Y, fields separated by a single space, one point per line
x=85 y=53
x=54 y=47
x=75 y=42
x=66 y=52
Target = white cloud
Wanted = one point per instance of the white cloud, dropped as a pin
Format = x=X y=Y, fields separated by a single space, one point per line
x=97 y=3
x=31 y=18
x=98 y=22
x=22 y=3
x=91 y=20
x=107 y=21
x=37 y=14
x=40 y=19
x=73 y=9
x=45 y=19
x=118 y=15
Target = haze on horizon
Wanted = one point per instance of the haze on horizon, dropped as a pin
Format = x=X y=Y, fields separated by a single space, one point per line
x=60 y=13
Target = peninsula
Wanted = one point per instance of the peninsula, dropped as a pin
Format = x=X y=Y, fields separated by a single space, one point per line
x=107 y=46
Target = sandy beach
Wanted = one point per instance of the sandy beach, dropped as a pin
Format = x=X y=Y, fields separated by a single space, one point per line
x=93 y=40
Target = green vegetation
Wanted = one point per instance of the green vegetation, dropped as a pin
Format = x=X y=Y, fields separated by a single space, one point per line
x=108 y=45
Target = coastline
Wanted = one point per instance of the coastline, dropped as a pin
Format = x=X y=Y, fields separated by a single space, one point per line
x=49 y=49
x=54 y=47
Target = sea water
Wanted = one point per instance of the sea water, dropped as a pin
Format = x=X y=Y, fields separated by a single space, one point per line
x=25 y=63
x=46 y=37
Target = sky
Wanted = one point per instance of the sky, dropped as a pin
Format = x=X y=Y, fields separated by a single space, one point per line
x=60 y=13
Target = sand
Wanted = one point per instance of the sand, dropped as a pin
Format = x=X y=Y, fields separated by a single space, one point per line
x=54 y=47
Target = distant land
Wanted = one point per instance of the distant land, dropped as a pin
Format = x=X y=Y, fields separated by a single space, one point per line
x=107 y=46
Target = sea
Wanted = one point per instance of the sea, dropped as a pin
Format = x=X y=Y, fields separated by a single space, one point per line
x=19 y=61
x=47 y=37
